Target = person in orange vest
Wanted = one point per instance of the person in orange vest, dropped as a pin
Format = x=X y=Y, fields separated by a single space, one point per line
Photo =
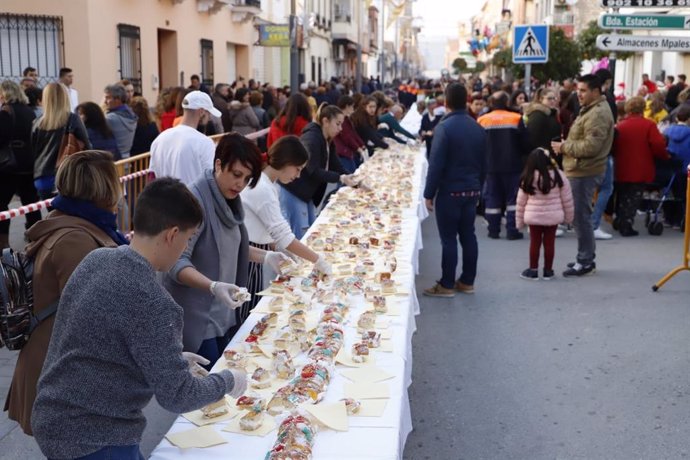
x=508 y=145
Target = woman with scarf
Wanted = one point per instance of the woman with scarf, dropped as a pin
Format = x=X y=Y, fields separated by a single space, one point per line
x=83 y=219
x=206 y=279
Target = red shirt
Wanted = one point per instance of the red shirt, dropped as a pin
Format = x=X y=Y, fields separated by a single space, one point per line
x=651 y=86
x=348 y=141
x=277 y=131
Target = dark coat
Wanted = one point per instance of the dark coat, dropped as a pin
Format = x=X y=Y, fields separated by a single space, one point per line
x=323 y=167
x=143 y=138
x=458 y=156
x=508 y=141
x=15 y=126
x=542 y=125
x=45 y=145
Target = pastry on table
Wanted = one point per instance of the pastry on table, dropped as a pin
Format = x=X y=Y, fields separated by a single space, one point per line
x=251 y=402
x=352 y=405
x=235 y=359
x=282 y=364
x=360 y=352
x=215 y=409
x=252 y=421
x=371 y=338
x=285 y=338
x=388 y=286
x=298 y=321
x=381 y=276
x=287 y=266
x=271 y=319
x=366 y=321
x=260 y=379
x=380 y=304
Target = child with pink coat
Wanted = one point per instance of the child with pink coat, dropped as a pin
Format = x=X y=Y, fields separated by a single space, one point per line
x=544 y=200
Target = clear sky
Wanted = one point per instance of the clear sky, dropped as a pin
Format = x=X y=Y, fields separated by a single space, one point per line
x=441 y=17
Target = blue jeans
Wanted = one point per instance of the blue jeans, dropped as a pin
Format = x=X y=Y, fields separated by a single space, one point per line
x=605 y=191
x=115 y=453
x=583 y=192
x=455 y=219
x=299 y=214
x=349 y=164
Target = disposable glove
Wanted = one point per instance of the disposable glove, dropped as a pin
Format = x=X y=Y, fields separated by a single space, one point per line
x=227 y=293
x=195 y=362
x=240 y=385
x=274 y=259
x=323 y=266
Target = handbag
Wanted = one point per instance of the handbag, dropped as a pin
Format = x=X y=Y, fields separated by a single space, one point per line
x=70 y=144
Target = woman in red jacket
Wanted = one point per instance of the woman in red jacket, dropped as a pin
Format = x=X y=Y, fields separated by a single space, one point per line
x=348 y=144
x=292 y=119
x=638 y=142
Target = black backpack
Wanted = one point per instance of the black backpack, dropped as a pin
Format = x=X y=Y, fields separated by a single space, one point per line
x=17 y=319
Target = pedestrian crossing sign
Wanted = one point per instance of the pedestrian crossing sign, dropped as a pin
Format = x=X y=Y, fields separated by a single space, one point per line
x=531 y=44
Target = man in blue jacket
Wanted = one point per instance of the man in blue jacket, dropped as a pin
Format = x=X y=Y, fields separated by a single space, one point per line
x=457 y=167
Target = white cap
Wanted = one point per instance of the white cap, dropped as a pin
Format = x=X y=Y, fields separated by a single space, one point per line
x=200 y=100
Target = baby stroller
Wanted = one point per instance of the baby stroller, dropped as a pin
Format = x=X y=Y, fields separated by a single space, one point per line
x=666 y=193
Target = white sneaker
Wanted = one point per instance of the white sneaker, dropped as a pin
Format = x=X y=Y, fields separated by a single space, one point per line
x=559 y=232
x=599 y=234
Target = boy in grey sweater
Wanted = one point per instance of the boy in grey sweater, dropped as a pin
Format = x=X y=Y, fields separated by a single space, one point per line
x=117 y=339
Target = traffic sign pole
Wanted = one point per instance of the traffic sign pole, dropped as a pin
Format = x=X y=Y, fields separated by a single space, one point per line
x=528 y=80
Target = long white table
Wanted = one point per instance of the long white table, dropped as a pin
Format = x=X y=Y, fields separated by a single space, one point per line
x=367 y=438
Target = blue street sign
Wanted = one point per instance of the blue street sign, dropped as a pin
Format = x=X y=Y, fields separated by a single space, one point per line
x=531 y=44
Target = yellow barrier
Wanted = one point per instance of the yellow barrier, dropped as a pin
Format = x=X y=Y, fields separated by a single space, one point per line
x=686 y=244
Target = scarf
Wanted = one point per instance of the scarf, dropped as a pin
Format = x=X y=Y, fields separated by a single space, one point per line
x=101 y=218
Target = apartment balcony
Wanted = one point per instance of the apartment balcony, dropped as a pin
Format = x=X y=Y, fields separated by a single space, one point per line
x=244 y=10
x=345 y=31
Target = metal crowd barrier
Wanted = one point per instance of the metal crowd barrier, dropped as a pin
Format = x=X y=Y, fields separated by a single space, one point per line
x=686 y=243
x=134 y=175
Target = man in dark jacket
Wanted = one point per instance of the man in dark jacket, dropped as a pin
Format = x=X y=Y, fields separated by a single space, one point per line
x=457 y=167
x=508 y=145
x=673 y=92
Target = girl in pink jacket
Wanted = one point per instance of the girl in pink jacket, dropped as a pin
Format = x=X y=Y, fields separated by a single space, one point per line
x=544 y=200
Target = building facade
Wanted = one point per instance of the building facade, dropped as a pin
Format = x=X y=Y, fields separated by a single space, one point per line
x=154 y=44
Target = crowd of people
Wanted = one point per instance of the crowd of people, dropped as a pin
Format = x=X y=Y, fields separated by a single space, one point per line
x=576 y=153
x=218 y=218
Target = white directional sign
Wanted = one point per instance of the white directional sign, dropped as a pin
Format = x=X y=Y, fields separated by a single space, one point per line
x=616 y=42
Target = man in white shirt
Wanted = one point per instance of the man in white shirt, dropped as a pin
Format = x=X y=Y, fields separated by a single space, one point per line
x=183 y=152
x=66 y=78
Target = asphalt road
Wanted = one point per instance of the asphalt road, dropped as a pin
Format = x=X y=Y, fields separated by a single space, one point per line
x=590 y=368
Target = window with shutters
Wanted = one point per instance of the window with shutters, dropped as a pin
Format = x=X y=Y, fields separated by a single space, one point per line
x=207 y=63
x=130 y=55
x=31 y=41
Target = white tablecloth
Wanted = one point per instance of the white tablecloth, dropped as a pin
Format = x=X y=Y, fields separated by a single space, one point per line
x=368 y=438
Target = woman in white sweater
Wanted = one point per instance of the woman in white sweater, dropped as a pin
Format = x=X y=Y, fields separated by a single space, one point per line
x=266 y=226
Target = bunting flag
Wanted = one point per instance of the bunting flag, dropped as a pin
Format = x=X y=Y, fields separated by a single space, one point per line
x=394 y=11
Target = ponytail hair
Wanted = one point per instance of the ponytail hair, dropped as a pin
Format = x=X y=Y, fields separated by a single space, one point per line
x=286 y=151
x=540 y=161
x=329 y=112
